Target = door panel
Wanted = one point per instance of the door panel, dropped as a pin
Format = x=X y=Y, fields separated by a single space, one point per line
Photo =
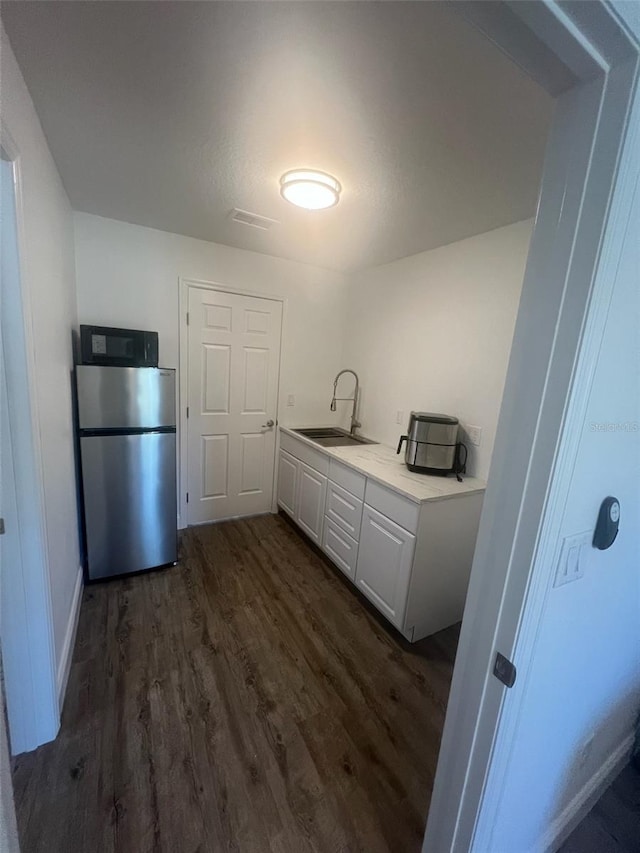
x=385 y=557
x=216 y=379
x=215 y=457
x=233 y=363
x=287 y=482
x=256 y=367
x=312 y=489
x=252 y=467
x=217 y=317
x=257 y=322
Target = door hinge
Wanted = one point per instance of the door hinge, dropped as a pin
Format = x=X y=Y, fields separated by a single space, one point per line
x=1 y=526
x=504 y=670
x=187 y=411
x=187 y=318
x=187 y=497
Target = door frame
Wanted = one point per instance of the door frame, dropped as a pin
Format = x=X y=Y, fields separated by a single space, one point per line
x=184 y=284
x=586 y=191
x=39 y=687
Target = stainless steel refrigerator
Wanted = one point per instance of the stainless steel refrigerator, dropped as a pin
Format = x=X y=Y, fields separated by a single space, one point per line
x=127 y=437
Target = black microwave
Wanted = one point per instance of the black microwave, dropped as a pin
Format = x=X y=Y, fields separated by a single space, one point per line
x=118 y=347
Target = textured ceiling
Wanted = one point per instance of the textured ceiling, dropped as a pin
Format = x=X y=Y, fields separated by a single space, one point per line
x=170 y=114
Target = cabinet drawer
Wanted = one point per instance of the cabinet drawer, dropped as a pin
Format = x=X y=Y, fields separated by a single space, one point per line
x=344 y=509
x=401 y=510
x=314 y=458
x=347 y=478
x=340 y=547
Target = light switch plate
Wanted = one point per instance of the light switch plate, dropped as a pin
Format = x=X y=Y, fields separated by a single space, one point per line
x=572 y=556
x=291 y=400
x=399 y=416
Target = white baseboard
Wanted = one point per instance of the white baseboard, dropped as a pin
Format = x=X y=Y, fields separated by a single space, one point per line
x=64 y=664
x=587 y=797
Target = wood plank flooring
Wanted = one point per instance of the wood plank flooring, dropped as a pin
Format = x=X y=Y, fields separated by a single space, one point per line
x=613 y=824
x=244 y=700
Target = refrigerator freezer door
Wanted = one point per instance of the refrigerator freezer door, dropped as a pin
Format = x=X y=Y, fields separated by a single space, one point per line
x=129 y=502
x=125 y=397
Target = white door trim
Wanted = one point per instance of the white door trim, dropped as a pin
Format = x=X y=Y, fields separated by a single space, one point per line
x=546 y=556
x=557 y=338
x=40 y=677
x=183 y=379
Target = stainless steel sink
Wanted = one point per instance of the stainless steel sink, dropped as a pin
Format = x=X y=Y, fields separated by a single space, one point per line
x=333 y=437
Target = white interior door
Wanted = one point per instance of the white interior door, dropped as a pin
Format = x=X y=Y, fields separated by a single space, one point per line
x=233 y=369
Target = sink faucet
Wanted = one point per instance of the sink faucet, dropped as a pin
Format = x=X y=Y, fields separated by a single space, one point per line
x=354 y=422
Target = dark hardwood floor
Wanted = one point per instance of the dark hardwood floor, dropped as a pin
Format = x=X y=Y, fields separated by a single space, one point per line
x=245 y=700
x=613 y=824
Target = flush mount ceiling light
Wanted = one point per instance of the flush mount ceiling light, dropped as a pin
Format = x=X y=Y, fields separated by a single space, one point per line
x=310 y=189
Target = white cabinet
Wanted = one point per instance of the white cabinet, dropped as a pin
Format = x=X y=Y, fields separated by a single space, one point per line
x=287 y=482
x=312 y=489
x=411 y=559
x=385 y=558
x=302 y=493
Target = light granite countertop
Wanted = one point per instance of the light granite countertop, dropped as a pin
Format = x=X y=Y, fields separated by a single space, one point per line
x=383 y=464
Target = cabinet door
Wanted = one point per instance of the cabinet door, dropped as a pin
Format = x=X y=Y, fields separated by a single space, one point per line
x=385 y=557
x=287 y=482
x=312 y=489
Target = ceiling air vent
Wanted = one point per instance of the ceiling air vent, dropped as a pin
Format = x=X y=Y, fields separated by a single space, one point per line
x=246 y=218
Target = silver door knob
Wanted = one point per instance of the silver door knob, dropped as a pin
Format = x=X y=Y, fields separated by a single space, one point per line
x=269 y=424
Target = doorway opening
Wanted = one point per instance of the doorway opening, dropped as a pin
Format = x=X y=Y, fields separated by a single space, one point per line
x=593 y=96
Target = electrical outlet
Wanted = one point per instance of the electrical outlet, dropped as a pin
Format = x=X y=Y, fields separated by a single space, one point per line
x=475 y=434
x=571 y=562
x=291 y=400
x=399 y=416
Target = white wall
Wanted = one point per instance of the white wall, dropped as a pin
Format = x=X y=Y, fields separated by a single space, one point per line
x=128 y=276
x=392 y=323
x=433 y=332
x=48 y=280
